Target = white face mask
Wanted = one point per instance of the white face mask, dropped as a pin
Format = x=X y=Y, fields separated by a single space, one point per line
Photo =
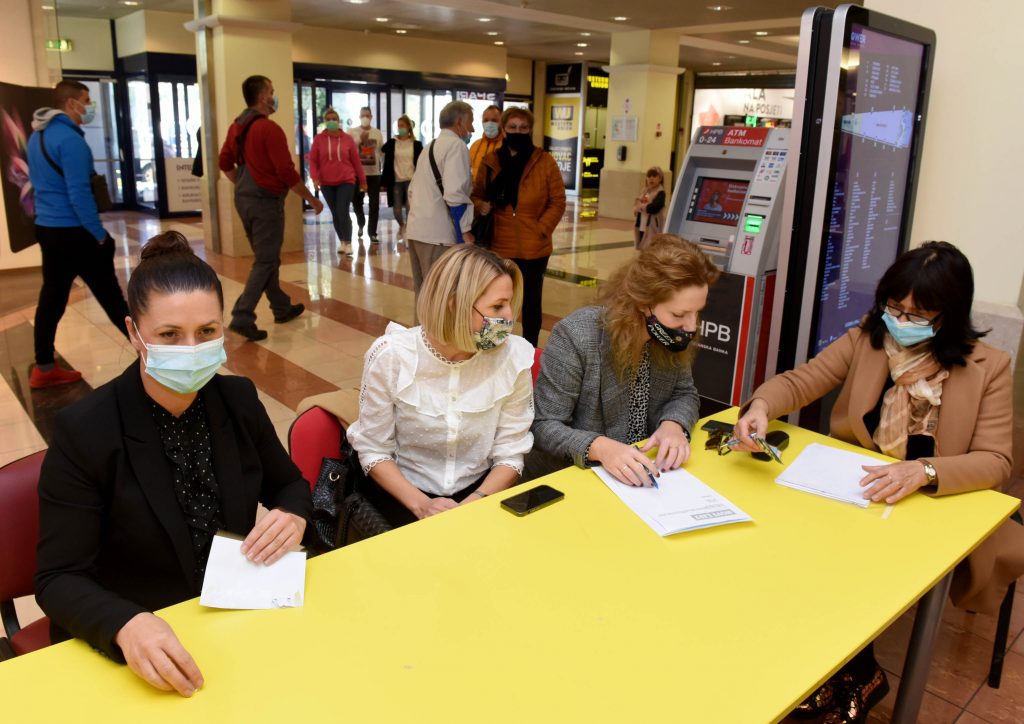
x=364 y=121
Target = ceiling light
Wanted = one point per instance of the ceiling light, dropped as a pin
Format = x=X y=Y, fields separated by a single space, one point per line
x=719 y=8
x=492 y=33
x=499 y=42
x=585 y=35
x=579 y=53
x=130 y=3
x=357 y=2
x=620 y=18
x=381 y=20
x=761 y=33
x=743 y=42
x=400 y=31
x=716 y=63
x=581 y=45
x=47 y=7
x=484 y=20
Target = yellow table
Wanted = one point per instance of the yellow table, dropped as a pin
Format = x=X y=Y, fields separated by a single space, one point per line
x=577 y=613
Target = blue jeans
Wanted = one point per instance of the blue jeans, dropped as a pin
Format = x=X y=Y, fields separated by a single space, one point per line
x=400 y=201
x=338 y=199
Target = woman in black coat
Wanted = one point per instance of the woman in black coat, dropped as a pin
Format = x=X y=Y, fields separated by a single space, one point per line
x=401 y=154
x=144 y=471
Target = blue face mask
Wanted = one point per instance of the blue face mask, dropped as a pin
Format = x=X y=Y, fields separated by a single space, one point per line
x=183 y=368
x=494 y=332
x=907 y=334
x=88 y=112
x=274 y=103
x=490 y=129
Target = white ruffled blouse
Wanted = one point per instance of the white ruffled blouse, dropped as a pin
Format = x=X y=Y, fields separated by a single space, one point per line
x=444 y=423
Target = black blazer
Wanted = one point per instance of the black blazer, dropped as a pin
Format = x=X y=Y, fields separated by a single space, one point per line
x=387 y=174
x=113 y=541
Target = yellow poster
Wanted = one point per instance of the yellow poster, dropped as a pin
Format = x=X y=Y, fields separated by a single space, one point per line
x=562 y=124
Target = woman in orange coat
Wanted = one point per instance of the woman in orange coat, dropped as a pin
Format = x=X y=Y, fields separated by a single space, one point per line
x=522 y=186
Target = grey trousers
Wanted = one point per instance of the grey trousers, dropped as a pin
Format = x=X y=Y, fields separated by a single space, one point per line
x=423 y=255
x=263 y=220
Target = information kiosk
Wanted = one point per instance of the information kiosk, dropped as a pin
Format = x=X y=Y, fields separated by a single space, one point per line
x=728 y=200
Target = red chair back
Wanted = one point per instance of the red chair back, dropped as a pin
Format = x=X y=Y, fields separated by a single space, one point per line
x=315 y=435
x=19 y=525
x=536 y=363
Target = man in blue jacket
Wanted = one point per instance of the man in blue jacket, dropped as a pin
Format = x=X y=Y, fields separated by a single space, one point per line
x=68 y=227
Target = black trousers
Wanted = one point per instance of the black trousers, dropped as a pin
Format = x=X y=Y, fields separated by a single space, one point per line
x=397 y=514
x=70 y=252
x=373 y=191
x=533 y=291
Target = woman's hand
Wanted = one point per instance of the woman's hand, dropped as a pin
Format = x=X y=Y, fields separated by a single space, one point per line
x=363 y=189
x=893 y=482
x=273 y=536
x=485 y=208
x=627 y=464
x=154 y=653
x=754 y=422
x=433 y=506
x=673 y=447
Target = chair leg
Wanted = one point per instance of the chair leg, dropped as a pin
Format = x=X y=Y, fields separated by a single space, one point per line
x=995 y=672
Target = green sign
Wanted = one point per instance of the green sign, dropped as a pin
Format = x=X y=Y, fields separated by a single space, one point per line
x=751 y=121
x=60 y=44
x=752 y=223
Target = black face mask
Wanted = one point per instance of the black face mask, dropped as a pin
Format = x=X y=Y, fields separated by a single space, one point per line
x=519 y=142
x=674 y=340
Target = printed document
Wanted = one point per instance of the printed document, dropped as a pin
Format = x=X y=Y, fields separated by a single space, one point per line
x=233 y=581
x=681 y=502
x=829 y=472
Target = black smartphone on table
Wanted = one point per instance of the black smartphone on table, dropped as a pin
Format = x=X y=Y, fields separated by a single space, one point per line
x=534 y=499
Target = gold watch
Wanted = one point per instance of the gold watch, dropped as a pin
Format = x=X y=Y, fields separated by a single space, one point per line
x=929 y=472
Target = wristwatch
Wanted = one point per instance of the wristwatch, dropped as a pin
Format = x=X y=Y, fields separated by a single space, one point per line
x=929 y=472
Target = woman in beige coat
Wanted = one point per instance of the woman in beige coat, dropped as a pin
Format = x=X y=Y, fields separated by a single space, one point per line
x=919 y=386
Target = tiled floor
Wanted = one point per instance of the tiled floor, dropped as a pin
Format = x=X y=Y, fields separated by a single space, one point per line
x=350 y=302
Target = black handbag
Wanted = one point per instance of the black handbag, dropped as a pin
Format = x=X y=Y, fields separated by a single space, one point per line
x=361 y=519
x=97 y=183
x=483 y=226
x=334 y=484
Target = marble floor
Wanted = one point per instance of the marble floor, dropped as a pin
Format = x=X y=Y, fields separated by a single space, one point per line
x=350 y=301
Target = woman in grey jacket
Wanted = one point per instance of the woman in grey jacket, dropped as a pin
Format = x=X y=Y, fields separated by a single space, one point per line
x=616 y=374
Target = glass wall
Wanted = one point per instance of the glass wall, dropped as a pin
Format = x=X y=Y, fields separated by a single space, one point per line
x=102 y=136
x=140 y=119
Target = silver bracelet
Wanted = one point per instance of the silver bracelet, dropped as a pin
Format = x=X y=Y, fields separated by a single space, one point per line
x=477 y=492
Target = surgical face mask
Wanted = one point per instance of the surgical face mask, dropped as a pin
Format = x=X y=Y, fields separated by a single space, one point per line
x=491 y=129
x=88 y=112
x=331 y=125
x=403 y=132
x=494 y=331
x=364 y=121
x=274 y=104
x=674 y=340
x=183 y=368
x=467 y=138
x=907 y=334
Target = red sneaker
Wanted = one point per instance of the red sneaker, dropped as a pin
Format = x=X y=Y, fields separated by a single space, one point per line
x=57 y=376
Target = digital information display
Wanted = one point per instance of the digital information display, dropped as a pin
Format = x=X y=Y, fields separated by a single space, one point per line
x=879 y=108
x=717 y=201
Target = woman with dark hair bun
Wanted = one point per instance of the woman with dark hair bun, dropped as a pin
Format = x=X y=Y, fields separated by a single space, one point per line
x=919 y=386
x=144 y=471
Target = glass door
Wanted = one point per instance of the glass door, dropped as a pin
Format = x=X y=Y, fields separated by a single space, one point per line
x=179 y=119
x=102 y=136
x=140 y=119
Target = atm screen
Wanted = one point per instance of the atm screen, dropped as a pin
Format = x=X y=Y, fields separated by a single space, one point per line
x=875 y=131
x=717 y=201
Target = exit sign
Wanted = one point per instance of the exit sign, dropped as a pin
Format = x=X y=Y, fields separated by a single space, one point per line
x=62 y=45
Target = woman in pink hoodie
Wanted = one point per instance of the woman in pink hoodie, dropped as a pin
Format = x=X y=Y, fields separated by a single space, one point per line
x=335 y=169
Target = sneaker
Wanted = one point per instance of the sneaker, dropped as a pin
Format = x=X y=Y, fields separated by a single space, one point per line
x=250 y=332
x=359 y=234
x=401 y=233
x=291 y=314
x=56 y=376
x=373 y=239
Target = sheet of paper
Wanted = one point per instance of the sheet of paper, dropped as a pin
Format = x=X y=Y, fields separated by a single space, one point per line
x=232 y=581
x=681 y=502
x=829 y=472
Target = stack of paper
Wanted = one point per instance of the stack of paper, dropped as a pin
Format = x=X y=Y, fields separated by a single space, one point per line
x=681 y=502
x=829 y=472
x=233 y=581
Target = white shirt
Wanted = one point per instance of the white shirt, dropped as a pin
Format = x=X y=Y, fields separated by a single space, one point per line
x=369 y=150
x=429 y=220
x=444 y=423
x=403 y=160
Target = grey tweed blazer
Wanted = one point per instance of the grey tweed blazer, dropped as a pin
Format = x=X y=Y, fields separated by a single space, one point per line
x=578 y=397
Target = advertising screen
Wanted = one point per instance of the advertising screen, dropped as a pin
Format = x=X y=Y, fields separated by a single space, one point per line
x=717 y=201
x=878 y=107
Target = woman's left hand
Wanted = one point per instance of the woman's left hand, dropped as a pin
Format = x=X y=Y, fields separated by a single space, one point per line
x=673 y=447
x=273 y=536
x=893 y=482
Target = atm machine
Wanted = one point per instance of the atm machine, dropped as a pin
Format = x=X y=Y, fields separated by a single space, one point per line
x=728 y=200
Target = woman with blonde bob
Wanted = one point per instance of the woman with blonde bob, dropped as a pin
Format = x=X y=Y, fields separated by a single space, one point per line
x=616 y=374
x=445 y=408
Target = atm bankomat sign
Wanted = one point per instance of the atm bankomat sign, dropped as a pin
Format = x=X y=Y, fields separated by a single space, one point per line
x=732 y=136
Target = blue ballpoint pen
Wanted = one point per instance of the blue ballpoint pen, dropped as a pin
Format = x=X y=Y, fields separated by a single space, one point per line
x=654 y=483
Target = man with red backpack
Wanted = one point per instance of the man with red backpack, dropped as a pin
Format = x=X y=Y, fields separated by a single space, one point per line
x=256 y=158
